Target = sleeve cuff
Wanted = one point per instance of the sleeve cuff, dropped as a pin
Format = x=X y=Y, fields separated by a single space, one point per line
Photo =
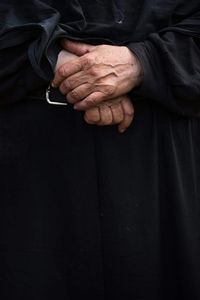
x=153 y=84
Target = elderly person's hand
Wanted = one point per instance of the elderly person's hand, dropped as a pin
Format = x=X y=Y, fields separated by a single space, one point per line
x=111 y=112
x=99 y=73
x=118 y=111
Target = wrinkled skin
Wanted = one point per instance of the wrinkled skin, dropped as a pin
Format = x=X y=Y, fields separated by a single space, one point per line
x=107 y=110
x=99 y=73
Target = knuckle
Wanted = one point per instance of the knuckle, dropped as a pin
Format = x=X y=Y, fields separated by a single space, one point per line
x=94 y=71
x=68 y=85
x=74 y=94
x=87 y=60
x=78 y=66
x=62 y=90
x=62 y=71
x=91 y=101
x=110 y=89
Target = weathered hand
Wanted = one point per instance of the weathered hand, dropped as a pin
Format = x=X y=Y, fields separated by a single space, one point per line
x=98 y=74
x=112 y=112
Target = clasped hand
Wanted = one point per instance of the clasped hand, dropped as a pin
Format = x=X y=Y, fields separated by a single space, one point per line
x=97 y=80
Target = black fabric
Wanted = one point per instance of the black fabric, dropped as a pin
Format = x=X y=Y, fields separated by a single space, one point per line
x=86 y=212
x=161 y=35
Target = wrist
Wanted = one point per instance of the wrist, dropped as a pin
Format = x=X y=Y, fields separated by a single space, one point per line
x=137 y=68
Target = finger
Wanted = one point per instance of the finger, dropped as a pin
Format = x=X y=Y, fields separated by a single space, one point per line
x=92 y=115
x=92 y=100
x=93 y=75
x=75 y=81
x=128 y=109
x=76 y=47
x=117 y=113
x=66 y=70
x=105 y=115
x=79 y=93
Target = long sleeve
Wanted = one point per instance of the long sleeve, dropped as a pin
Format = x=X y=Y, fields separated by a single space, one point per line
x=28 y=51
x=171 y=62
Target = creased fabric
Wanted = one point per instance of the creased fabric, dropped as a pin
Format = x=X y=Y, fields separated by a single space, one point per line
x=171 y=64
x=86 y=212
x=162 y=36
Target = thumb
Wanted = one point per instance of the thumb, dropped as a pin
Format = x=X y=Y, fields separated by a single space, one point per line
x=76 y=47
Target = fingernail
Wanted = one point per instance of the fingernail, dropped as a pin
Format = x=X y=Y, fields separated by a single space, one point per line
x=122 y=130
x=53 y=85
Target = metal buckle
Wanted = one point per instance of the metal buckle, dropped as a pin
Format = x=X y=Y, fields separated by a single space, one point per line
x=48 y=91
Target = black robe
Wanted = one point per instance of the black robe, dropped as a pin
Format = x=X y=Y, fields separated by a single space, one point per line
x=86 y=212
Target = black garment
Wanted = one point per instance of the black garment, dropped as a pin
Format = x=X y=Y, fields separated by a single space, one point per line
x=85 y=211
x=162 y=35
